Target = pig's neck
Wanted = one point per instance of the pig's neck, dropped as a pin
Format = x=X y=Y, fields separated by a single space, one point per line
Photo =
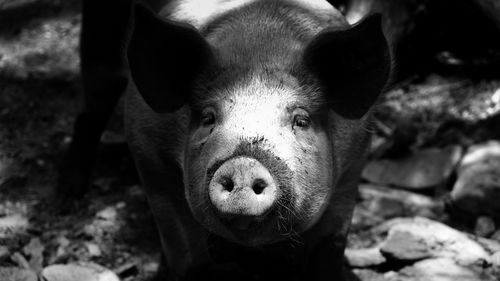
x=199 y=13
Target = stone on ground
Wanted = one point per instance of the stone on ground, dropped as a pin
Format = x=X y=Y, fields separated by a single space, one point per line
x=421 y=170
x=73 y=272
x=364 y=257
x=381 y=203
x=430 y=238
x=17 y=274
x=477 y=188
x=441 y=269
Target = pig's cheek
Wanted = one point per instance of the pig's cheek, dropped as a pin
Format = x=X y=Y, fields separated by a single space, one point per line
x=195 y=176
x=197 y=150
x=303 y=167
x=200 y=137
x=313 y=173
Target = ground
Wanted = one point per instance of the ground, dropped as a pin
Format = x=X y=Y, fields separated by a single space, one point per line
x=40 y=95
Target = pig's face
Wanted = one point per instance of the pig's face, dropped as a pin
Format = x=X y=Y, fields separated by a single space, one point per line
x=264 y=148
x=259 y=164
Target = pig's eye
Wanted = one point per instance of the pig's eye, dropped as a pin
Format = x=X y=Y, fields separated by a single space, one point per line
x=208 y=118
x=301 y=121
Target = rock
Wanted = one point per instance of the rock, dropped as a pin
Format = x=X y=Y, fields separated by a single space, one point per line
x=62 y=242
x=382 y=203
x=388 y=207
x=93 y=249
x=404 y=246
x=477 y=188
x=108 y=213
x=11 y=225
x=480 y=153
x=364 y=257
x=442 y=269
x=121 y=205
x=368 y=275
x=491 y=246
x=83 y=272
x=17 y=274
x=423 y=169
x=151 y=267
x=439 y=240
x=20 y=260
x=127 y=270
x=485 y=226
x=35 y=251
x=495 y=259
x=106 y=222
x=92 y=230
x=496 y=236
x=389 y=202
x=4 y=252
x=373 y=212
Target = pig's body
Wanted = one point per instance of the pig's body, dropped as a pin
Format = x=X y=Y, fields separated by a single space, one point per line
x=256 y=82
x=200 y=13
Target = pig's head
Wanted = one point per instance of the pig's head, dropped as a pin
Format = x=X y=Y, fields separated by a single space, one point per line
x=267 y=136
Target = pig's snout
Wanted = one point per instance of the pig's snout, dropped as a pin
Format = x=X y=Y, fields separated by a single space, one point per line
x=242 y=187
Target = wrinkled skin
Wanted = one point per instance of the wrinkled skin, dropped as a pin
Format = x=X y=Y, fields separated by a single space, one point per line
x=249 y=132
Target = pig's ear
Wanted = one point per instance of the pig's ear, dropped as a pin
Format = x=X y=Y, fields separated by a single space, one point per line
x=165 y=58
x=353 y=65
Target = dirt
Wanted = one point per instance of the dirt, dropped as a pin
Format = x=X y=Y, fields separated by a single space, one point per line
x=40 y=96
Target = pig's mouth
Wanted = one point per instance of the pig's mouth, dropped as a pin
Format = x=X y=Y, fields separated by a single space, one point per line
x=250 y=196
x=277 y=224
x=255 y=231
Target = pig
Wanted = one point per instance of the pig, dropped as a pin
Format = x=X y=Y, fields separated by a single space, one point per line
x=249 y=121
x=106 y=26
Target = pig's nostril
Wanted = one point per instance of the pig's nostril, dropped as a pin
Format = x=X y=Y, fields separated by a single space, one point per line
x=227 y=184
x=258 y=186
